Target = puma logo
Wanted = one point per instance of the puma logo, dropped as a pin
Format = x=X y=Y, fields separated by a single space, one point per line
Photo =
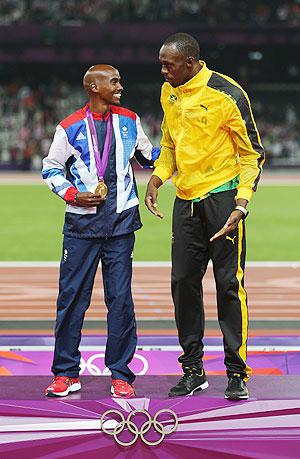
x=206 y=108
x=231 y=239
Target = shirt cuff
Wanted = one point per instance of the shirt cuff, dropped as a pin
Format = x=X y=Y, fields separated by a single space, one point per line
x=161 y=173
x=244 y=193
x=70 y=195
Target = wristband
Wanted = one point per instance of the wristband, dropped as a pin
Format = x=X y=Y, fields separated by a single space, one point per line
x=244 y=211
x=70 y=195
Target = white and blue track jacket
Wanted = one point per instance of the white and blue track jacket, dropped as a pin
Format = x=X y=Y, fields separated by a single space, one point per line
x=71 y=164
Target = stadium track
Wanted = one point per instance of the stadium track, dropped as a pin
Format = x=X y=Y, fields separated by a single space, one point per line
x=28 y=295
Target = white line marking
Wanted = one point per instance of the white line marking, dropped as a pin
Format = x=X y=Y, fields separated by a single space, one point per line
x=154 y=319
x=208 y=348
x=147 y=264
x=47 y=424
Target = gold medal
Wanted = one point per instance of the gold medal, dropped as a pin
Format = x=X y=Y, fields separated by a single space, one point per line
x=101 y=189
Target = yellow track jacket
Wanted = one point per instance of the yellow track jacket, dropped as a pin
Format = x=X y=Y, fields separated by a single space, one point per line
x=209 y=136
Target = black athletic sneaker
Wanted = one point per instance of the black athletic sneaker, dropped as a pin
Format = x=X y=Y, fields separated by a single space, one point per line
x=191 y=381
x=236 y=389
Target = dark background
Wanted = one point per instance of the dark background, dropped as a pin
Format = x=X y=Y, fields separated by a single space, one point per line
x=46 y=48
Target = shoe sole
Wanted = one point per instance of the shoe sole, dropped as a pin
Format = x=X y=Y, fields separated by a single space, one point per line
x=241 y=397
x=120 y=396
x=201 y=387
x=73 y=388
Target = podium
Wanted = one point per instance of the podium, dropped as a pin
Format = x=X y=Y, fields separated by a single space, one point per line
x=204 y=425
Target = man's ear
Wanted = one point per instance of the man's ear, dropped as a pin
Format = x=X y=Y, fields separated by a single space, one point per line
x=93 y=87
x=190 y=61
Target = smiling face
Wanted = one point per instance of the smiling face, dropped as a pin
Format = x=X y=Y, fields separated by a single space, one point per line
x=104 y=81
x=176 y=68
x=109 y=86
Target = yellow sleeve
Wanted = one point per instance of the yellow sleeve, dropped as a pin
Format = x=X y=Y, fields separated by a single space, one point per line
x=249 y=148
x=165 y=165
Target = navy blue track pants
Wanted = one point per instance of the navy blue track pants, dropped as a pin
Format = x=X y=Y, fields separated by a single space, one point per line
x=78 y=268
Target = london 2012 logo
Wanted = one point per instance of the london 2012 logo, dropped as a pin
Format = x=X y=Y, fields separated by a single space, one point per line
x=113 y=427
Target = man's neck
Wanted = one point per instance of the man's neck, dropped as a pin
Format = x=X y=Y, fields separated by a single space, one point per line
x=98 y=106
x=196 y=69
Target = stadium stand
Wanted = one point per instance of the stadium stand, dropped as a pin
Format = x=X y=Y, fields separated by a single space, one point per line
x=211 y=12
x=48 y=46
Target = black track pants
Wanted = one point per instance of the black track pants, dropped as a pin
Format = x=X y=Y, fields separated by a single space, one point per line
x=193 y=225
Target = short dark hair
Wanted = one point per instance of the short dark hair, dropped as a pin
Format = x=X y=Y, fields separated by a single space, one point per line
x=185 y=43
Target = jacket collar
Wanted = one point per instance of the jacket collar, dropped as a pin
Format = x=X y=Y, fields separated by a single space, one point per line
x=199 y=80
x=97 y=116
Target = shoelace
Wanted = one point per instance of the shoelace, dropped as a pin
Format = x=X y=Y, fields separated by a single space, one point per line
x=236 y=381
x=186 y=376
x=123 y=384
x=190 y=372
x=61 y=378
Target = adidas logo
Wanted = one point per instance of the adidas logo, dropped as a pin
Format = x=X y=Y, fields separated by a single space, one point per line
x=81 y=136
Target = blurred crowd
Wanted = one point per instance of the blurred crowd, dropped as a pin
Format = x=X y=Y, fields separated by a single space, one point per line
x=208 y=12
x=29 y=111
x=28 y=116
x=278 y=118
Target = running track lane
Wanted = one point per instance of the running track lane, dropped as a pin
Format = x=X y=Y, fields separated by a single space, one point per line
x=29 y=294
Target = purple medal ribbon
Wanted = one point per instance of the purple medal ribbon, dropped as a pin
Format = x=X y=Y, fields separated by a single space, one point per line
x=101 y=164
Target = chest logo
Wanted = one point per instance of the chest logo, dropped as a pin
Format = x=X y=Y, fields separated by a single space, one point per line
x=81 y=136
x=124 y=132
x=172 y=99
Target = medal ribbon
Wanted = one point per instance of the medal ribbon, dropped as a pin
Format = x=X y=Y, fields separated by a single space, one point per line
x=101 y=164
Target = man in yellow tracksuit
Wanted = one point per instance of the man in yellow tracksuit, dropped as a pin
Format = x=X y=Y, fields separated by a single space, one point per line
x=212 y=149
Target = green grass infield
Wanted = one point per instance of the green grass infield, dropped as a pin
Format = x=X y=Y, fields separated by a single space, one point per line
x=32 y=219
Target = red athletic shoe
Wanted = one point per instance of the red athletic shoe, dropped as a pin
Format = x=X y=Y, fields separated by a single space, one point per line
x=120 y=388
x=62 y=385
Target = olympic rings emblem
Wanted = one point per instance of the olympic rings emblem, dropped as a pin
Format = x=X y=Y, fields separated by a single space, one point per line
x=93 y=369
x=135 y=430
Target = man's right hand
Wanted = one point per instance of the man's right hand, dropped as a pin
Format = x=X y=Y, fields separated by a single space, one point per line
x=88 y=199
x=151 y=195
